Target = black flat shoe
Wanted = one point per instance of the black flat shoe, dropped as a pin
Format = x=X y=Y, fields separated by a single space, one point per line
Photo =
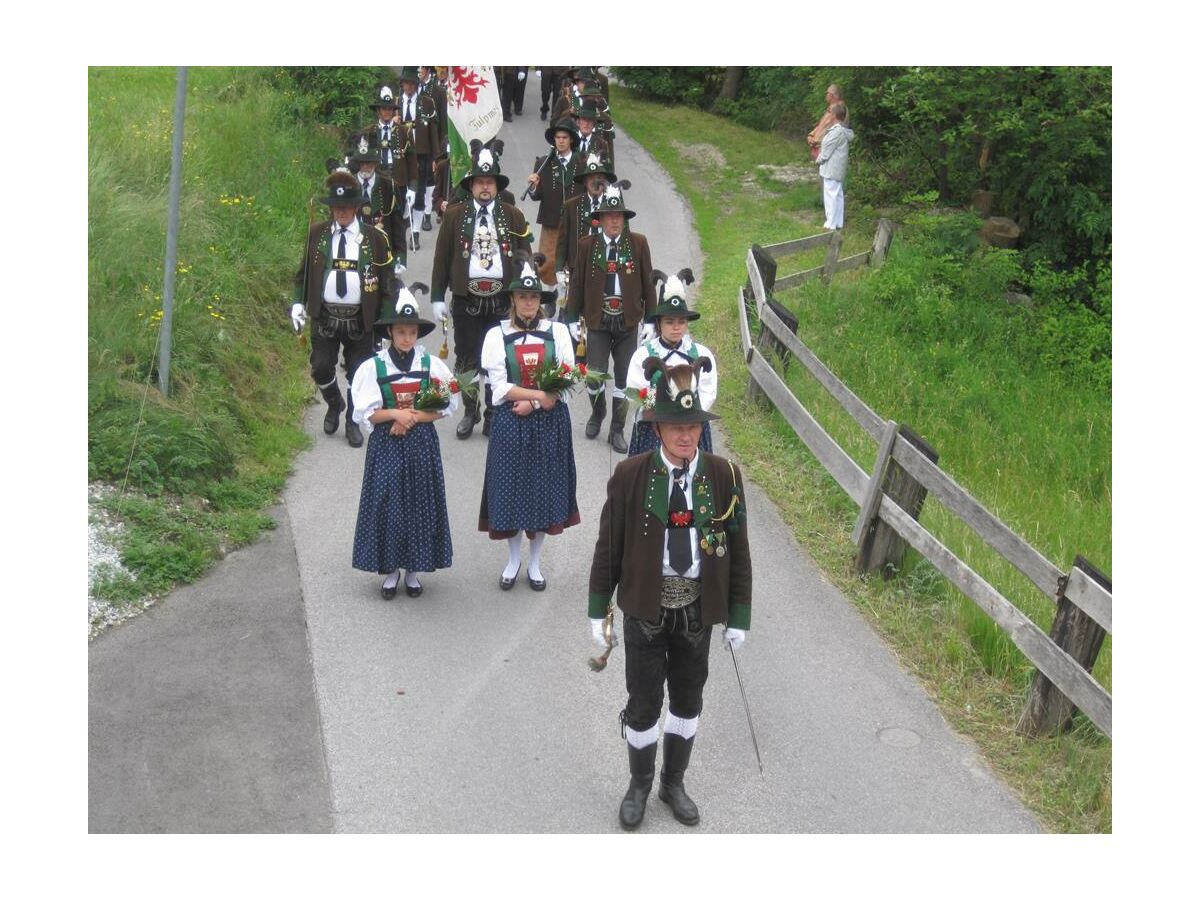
x=387 y=593
x=535 y=583
x=426 y=225
x=506 y=584
x=413 y=591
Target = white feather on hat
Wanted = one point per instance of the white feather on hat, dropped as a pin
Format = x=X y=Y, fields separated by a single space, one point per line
x=485 y=160
x=405 y=298
x=527 y=271
x=674 y=287
x=385 y=93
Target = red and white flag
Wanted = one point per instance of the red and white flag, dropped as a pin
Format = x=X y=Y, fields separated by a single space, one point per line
x=473 y=102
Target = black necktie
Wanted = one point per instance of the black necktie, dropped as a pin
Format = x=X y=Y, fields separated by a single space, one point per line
x=483 y=222
x=610 y=284
x=366 y=190
x=341 y=273
x=679 y=540
x=407 y=110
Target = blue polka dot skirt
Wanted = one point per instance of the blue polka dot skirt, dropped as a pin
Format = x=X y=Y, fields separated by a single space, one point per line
x=529 y=483
x=402 y=520
x=644 y=438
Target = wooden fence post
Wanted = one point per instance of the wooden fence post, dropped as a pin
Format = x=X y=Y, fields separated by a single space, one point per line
x=754 y=391
x=767 y=341
x=831 y=256
x=1047 y=710
x=882 y=244
x=767 y=268
x=881 y=549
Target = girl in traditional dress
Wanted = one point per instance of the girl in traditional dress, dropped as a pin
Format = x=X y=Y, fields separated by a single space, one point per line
x=674 y=346
x=402 y=520
x=529 y=483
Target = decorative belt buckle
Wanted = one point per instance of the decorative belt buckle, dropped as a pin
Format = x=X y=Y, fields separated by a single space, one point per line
x=612 y=305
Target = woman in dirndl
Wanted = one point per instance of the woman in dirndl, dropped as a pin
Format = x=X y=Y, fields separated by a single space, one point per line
x=529 y=482
x=402 y=520
x=674 y=346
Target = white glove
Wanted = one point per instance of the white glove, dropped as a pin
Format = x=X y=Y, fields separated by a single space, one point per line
x=734 y=638
x=439 y=310
x=573 y=327
x=598 y=633
x=520 y=76
x=399 y=268
x=410 y=197
x=538 y=72
x=648 y=332
x=298 y=317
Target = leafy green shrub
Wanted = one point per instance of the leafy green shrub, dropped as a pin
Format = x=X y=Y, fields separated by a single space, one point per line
x=691 y=85
x=334 y=95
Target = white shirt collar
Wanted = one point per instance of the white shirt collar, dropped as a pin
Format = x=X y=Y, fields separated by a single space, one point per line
x=351 y=229
x=691 y=468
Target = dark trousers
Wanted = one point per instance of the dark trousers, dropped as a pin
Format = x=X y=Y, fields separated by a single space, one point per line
x=424 y=179
x=675 y=650
x=331 y=335
x=549 y=90
x=470 y=328
x=620 y=344
x=518 y=96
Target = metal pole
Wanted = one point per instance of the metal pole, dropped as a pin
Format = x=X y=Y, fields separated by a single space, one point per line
x=164 y=348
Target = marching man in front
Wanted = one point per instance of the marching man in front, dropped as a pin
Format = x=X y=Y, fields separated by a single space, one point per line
x=673 y=544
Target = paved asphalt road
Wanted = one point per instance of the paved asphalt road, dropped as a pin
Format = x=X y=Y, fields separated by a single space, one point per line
x=473 y=710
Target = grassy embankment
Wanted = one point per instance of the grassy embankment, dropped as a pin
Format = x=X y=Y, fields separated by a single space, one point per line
x=930 y=342
x=199 y=467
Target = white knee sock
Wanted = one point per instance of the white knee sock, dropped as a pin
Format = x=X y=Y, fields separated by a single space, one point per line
x=639 y=739
x=535 y=555
x=392 y=580
x=410 y=579
x=514 y=556
x=685 y=728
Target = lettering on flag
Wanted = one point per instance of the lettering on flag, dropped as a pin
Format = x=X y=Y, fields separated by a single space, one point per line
x=474 y=102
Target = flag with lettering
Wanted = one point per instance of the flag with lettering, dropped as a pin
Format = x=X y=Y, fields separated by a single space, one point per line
x=473 y=106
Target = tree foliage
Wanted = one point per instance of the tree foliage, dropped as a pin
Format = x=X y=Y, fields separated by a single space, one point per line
x=1039 y=138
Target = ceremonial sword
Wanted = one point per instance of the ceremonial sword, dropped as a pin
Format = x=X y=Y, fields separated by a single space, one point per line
x=746 y=706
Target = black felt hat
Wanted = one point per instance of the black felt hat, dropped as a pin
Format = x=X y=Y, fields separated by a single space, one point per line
x=385 y=96
x=676 y=392
x=403 y=312
x=563 y=125
x=484 y=163
x=344 y=190
x=525 y=276
x=672 y=295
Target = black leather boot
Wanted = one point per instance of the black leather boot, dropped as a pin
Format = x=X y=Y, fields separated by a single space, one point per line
x=676 y=753
x=333 y=415
x=353 y=433
x=487 y=411
x=616 y=430
x=470 y=417
x=641 y=770
x=599 y=407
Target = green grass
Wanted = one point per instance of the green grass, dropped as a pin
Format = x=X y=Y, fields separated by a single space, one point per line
x=927 y=341
x=198 y=467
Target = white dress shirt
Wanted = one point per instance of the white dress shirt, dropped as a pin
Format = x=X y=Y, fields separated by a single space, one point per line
x=494 y=360
x=354 y=238
x=368 y=398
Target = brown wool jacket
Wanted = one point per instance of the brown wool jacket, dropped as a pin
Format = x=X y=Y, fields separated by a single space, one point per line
x=588 y=279
x=576 y=223
x=629 y=548
x=310 y=278
x=450 y=267
x=555 y=188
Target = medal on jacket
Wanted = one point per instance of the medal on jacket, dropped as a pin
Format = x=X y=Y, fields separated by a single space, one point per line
x=485 y=246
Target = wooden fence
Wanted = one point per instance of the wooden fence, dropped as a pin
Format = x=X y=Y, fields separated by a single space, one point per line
x=890 y=498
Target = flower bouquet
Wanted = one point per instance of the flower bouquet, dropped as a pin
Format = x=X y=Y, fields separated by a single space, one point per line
x=643 y=398
x=558 y=378
x=435 y=396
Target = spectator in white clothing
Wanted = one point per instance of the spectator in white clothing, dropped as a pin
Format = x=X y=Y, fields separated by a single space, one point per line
x=832 y=160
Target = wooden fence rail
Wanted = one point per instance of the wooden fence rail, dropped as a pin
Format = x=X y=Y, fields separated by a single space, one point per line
x=890 y=497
